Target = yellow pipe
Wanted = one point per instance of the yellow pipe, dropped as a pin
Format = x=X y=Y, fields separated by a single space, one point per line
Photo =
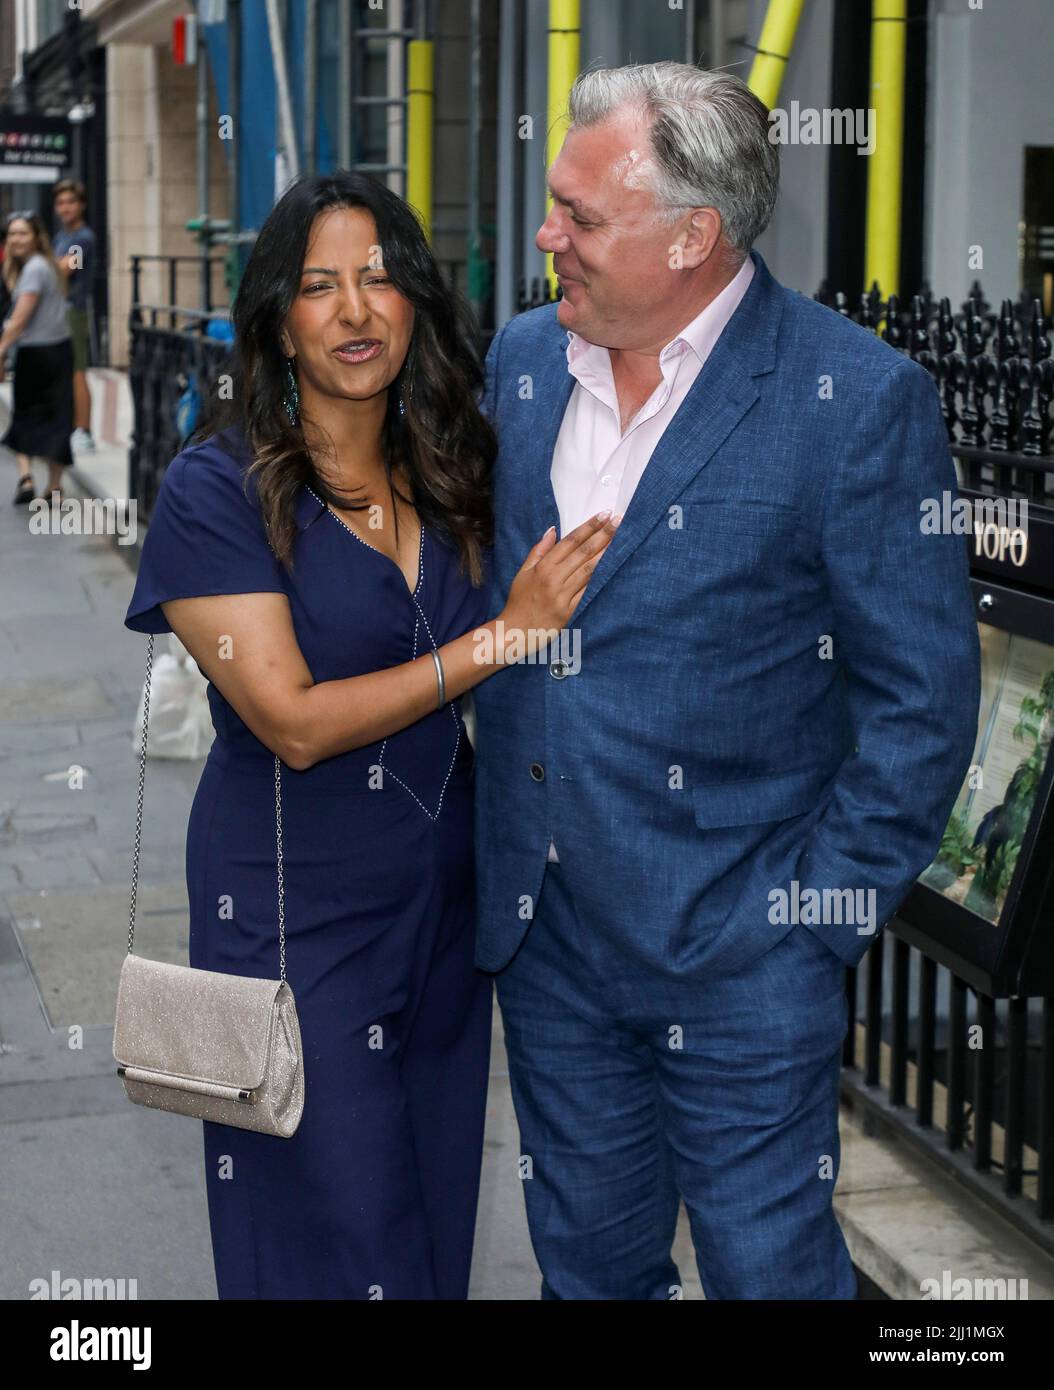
x=888 y=41
x=564 y=55
x=420 y=99
x=774 y=46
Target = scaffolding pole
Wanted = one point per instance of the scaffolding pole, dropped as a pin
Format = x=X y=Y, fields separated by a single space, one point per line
x=420 y=100
x=565 y=40
x=885 y=165
x=773 y=50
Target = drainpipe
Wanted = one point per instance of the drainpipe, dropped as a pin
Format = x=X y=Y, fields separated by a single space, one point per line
x=689 y=31
x=884 y=173
x=508 y=243
x=345 y=74
x=565 y=25
x=718 y=49
x=205 y=239
x=287 y=148
x=310 y=86
x=774 y=46
x=235 y=251
x=477 y=268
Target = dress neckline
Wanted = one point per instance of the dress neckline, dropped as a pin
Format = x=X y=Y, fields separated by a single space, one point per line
x=387 y=558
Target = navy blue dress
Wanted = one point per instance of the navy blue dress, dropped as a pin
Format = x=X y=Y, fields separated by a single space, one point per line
x=375 y=1195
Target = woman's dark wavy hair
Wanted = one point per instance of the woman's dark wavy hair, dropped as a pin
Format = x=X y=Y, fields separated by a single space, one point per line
x=444 y=441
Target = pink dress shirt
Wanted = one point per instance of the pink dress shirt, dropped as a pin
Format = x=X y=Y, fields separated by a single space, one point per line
x=595 y=466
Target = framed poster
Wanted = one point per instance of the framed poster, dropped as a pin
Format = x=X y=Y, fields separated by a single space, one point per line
x=983 y=906
x=981 y=846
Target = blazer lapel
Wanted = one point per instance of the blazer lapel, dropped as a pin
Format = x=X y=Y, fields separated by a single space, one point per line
x=720 y=396
x=553 y=385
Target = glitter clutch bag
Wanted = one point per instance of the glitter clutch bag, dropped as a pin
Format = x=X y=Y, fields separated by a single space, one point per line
x=204 y=1043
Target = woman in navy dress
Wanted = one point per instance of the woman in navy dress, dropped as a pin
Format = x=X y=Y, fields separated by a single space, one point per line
x=322 y=550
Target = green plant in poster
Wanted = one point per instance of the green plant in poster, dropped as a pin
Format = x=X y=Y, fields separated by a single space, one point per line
x=1002 y=830
x=957 y=849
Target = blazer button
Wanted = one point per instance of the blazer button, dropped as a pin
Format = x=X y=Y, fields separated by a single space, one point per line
x=537 y=771
x=559 y=669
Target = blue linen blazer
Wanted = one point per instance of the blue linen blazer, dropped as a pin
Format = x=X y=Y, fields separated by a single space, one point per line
x=779 y=671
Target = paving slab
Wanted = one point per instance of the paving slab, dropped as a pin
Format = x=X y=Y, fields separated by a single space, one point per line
x=74 y=943
x=118 y=1194
x=905 y=1222
x=37 y=699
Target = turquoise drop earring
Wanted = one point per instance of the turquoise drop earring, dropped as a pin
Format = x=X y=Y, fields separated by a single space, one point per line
x=292 y=395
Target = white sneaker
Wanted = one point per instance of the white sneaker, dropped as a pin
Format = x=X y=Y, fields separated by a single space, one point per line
x=81 y=439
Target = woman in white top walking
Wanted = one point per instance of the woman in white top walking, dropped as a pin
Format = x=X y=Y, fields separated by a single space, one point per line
x=42 y=408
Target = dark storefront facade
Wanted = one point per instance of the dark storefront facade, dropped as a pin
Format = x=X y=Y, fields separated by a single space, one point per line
x=64 y=80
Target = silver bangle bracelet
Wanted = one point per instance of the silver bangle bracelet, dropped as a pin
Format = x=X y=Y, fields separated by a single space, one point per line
x=440 y=678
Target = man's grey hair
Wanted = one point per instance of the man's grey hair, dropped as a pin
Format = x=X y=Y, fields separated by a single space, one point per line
x=709 y=138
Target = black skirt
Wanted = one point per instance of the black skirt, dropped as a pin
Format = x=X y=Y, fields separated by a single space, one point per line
x=42 y=406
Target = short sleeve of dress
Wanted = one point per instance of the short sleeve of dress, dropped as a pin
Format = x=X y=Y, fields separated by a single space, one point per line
x=206 y=536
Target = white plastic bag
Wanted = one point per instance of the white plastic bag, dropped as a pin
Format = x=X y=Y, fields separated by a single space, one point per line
x=180 y=722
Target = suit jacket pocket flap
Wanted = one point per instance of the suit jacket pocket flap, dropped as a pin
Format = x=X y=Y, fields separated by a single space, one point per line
x=759 y=799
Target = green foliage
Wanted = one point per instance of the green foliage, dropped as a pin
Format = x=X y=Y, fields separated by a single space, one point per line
x=956 y=850
x=1020 y=794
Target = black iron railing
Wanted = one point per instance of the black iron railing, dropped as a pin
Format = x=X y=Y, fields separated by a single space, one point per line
x=959 y=1075
x=169 y=350
x=995 y=377
x=173 y=271
x=164 y=360
x=964 y=1078
x=533 y=293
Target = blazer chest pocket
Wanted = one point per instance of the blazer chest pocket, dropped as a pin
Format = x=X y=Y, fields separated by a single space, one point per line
x=758 y=799
x=747 y=517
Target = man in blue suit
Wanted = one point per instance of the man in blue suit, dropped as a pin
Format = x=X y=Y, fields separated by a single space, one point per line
x=705 y=801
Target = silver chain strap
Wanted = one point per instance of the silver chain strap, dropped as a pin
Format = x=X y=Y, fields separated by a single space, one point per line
x=139 y=822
